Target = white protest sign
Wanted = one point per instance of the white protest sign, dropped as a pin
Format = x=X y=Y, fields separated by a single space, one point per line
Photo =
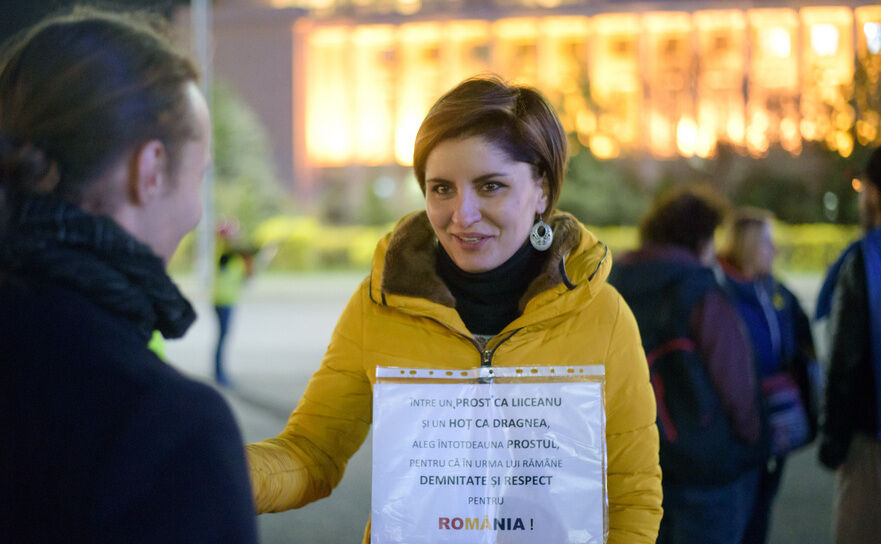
x=502 y=455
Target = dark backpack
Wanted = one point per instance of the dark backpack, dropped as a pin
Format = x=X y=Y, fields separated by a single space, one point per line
x=697 y=443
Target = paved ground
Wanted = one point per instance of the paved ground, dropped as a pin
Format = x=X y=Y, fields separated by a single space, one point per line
x=278 y=336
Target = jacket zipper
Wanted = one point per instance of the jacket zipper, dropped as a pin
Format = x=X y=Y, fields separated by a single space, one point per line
x=487 y=354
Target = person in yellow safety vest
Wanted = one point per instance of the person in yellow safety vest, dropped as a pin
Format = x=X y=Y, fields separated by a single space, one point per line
x=234 y=266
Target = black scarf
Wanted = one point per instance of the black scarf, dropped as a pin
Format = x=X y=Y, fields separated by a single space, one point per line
x=488 y=301
x=50 y=239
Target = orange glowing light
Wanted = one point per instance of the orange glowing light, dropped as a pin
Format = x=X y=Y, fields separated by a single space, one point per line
x=687 y=137
x=721 y=43
x=585 y=122
x=515 y=50
x=869 y=22
x=603 y=147
x=827 y=74
x=844 y=143
x=774 y=84
x=776 y=41
x=790 y=137
x=405 y=138
x=789 y=128
x=616 y=81
x=867 y=128
x=661 y=135
x=706 y=142
x=724 y=20
x=670 y=83
x=824 y=39
x=774 y=31
x=808 y=129
x=562 y=66
x=516 y=29
x=328 y=100
x=868 y=49
x=667 y=36
x=563 y=54
x=736 y=129
x=829 y=33
x=373 y=48
x=667 y=21
x=408 y=7
x=569 y=26
x=466 y=51
x=419 y=82
x=857 y=184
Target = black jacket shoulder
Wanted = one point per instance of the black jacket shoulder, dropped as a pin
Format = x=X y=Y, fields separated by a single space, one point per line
x=850 y=393
x=107 y=441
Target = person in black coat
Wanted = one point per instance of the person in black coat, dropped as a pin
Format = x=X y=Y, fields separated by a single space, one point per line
x=851 y=432
x=104 y=139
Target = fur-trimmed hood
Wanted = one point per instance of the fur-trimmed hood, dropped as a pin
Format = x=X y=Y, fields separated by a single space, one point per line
x=404 y=265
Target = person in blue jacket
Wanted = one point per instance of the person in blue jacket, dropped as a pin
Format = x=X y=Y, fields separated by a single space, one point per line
x=104 y=140
x=783 y=350
x=851 y=432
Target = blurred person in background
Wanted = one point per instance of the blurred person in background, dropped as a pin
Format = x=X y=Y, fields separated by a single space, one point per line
x=235 y=265
x=478 y=279
x=104 y=140
x=851 y=429
x=702 y=370
x=783 y=349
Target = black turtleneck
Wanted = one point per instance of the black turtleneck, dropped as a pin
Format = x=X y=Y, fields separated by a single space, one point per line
x=488 y=301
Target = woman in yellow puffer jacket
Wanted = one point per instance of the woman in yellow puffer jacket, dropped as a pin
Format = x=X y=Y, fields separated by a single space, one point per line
x=477 y=279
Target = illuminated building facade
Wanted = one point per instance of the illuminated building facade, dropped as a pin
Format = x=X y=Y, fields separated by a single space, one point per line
x=664 y=79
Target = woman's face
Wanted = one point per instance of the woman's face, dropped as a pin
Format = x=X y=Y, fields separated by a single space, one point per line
x=760 y=250
x=480 y=202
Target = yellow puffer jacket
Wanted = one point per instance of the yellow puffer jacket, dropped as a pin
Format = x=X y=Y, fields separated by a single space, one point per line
x=403 y=315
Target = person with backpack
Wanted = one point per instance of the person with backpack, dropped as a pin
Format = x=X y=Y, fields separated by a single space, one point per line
x=851 y=433
x=701 y=367
x=783 y=348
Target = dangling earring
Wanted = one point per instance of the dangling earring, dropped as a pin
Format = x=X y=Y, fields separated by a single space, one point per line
x=541 y=235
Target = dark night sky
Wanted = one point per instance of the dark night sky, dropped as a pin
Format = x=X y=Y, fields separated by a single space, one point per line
x=18 y=14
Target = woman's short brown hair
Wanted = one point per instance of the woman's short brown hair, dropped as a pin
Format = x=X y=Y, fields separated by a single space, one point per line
x=516 y=118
